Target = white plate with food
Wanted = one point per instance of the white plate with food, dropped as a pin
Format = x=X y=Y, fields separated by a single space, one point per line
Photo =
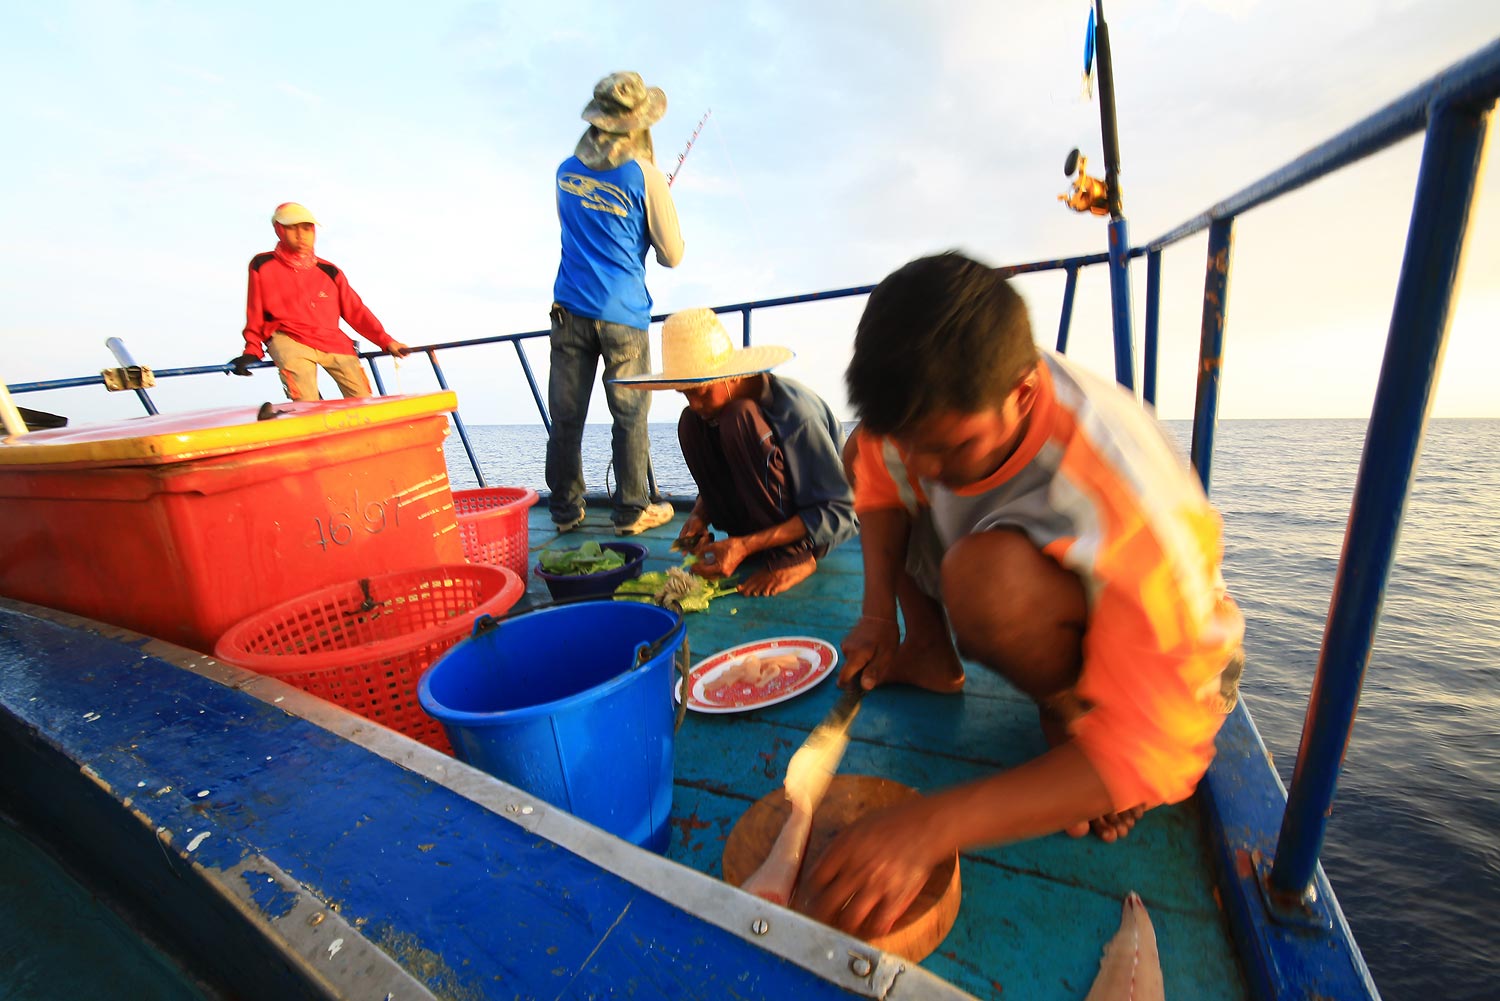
x=758 y=674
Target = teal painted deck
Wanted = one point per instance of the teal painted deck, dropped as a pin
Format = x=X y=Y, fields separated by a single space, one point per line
x=1034 y=916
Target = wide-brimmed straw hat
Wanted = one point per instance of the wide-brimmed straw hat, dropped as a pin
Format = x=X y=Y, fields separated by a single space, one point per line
x=696 y=352
x=623 y=103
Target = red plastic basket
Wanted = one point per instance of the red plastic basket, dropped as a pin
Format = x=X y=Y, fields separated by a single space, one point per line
x=493 y=524
x=365 y=644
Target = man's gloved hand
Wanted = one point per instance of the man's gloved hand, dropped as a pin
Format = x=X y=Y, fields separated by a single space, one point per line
x=240 y=365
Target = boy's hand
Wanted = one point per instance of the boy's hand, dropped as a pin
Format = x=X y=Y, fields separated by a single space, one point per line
x=720 y=559
x=397 y=350
x=868 y=649
x=870 y=874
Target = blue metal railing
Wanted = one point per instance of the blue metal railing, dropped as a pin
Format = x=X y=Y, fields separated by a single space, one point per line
x=1453 y=109
x=1211 y=346
x=1451 y=160
x=1153 y=327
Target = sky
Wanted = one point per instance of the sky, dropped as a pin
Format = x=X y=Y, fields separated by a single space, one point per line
x=149 y=142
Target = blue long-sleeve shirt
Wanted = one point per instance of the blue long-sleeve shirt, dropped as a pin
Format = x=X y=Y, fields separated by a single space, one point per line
x=812 y=442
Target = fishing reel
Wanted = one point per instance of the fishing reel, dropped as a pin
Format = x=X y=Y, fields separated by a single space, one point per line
x=1088 y=194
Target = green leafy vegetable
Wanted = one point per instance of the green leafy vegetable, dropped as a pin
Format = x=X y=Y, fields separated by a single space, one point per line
x=586 y=559
x=677 y=589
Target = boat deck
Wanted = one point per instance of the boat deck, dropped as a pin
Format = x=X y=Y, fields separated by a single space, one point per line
x=1034 y=916
x=281 y=840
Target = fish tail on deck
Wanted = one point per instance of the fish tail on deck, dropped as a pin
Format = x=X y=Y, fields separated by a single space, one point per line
x=1130 y=969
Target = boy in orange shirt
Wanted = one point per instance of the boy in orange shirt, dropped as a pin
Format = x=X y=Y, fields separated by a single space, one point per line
x=1038 y=512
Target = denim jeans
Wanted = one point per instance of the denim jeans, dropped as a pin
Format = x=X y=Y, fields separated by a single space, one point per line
x=577 y=345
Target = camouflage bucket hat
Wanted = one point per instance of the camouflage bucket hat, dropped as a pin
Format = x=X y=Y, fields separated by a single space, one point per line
x=623 y=104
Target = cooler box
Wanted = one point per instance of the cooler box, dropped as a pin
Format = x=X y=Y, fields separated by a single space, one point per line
x=180 y=525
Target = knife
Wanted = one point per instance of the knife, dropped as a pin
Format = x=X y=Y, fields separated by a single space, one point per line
x=812 y=767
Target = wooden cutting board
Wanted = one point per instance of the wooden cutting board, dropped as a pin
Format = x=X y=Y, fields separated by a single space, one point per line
x=925 y=923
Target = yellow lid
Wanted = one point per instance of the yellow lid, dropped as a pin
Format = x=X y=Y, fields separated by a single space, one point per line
x=179 y=437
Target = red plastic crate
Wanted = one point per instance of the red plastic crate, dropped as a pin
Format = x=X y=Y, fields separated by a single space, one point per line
x=365 y=644
x=181 y=525
x=493 y=526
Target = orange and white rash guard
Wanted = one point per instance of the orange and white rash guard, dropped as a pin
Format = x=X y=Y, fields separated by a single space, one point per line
x=1096 y=486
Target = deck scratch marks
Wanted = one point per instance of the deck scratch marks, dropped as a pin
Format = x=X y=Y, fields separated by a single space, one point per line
x=595 y=950
x=1156 y=903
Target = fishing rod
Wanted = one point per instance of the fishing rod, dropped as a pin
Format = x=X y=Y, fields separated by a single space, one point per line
x=1092 y=194
x=1102 y=197
x=1109 y=133
x=688 y=148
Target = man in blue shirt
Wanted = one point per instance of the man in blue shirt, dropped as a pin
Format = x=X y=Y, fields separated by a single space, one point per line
x=763 y=450
x=613 y=205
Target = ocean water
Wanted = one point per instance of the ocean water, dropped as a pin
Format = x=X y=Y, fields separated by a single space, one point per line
x=57 y=940
x=1413 y=846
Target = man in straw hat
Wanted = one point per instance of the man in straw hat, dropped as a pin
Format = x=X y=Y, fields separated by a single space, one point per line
x=293 y=308
x=613 y=205
x=763 y=450
x=1033 y=516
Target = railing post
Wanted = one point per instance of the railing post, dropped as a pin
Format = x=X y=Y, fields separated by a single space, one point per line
x=1153 y=325
x=375 y=371
x=1430 y=269
x=458 y=422
x=1069 y=290
x=122 y=355
x=745 y=338
x=1119 y=294
x=1211 y=345
x=536 y=393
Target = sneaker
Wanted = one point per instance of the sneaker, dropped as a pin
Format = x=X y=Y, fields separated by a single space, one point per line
x=654 y=516
x=568 y=526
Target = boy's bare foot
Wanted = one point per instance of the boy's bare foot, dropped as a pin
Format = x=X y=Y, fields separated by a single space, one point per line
x=1055 y=716
x=764 y=583
x=930 y=664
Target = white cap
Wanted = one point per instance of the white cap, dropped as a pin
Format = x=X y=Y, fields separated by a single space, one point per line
x=290 y=214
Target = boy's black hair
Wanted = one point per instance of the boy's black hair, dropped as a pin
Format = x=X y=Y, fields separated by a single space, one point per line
x=943 y=333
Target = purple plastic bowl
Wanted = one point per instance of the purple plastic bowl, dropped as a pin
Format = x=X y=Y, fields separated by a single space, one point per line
x=599 y=585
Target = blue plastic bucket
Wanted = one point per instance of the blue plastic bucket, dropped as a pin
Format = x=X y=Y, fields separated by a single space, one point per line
x=554 y=702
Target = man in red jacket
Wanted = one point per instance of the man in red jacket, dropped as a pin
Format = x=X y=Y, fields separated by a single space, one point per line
x=293 y=309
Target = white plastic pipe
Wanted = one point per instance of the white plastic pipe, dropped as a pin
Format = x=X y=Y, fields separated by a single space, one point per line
x=121 y=353
x=9 y=415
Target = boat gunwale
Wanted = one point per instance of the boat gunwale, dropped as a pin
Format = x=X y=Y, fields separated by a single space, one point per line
x=815 y=948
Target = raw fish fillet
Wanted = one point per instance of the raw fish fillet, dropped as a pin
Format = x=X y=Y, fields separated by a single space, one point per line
x=808 y=776
x=760 y=673
x=777 y=876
